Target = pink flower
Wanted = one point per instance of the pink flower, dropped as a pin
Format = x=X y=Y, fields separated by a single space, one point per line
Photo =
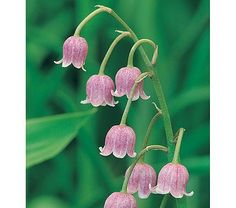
x=120 y=200
x=75 y=50
x=172 y=179
x=98 y=91
x=141 y=177
x=120 y=140
x=125 y=79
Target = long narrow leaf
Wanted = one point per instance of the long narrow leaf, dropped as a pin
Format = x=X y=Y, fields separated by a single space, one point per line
x=47 y=136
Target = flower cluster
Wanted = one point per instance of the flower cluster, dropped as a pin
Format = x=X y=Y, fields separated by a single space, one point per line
x=120 y=139
x=100 y=89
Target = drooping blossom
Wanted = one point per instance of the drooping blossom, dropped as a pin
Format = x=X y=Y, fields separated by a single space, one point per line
x=75 y=51
x=125 y=79
x=141 y=177
x=98 y=90
x=120 y=200
x=120 y=140
x=172 y=179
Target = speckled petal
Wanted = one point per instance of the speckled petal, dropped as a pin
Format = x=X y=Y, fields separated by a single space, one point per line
x=120 y=200
x=79 y=52
x=74 y=51
x=172 y=179
x=98 y=90
x=142 y=93
x=109 y=143
x=147 y=176
x=133 y=180
x=123 y=142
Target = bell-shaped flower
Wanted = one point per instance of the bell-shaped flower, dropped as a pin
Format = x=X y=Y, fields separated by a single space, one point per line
x=125 y=79
x=172 y=179
x=98 y=90
x=141 y=177
x=75 y=51
x=120 y=200
x=120 y=140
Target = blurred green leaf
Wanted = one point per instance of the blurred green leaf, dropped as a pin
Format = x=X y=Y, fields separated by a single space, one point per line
x=47 y=202
x=189 y=97
x=47 y=136
x=198 y=165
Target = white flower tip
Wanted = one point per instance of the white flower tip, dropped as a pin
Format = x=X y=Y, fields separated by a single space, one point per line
x=65 y=64
x=84 y=101
x=58 y=62
x=133 y=155
x=115 y=93
x=189 y=194
x=142 y=195
x=118 y=155
x=83 y=68
x=101 y=153
x=152 y=189
x=145 y=97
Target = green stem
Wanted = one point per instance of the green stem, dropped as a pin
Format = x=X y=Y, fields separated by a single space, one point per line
x=164 y=201
x=109 y=51
x=178 y=145
x=149 y=129
x=128 y=104
x=136 y=45
x=140 y=154
x=89 y=17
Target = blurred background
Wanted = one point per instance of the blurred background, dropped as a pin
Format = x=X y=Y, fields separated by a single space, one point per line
x=64 y=167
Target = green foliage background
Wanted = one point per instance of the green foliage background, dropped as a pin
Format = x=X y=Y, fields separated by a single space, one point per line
x=65 y=169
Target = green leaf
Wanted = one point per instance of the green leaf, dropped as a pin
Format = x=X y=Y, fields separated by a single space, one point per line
x=47 y=201
x=189 y=97
x=47 y=136
x=198 y=165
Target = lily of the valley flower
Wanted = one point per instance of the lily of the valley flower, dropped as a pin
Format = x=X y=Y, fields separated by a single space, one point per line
x=120 y=200
x=120 y=140
x=172 y=179
x=141 y=177
x=75 y=51
x=125 y=79
x=98 y=90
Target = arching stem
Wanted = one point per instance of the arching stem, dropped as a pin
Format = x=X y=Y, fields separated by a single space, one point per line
x=136 y=45
x=109 y=51
x=178 y=145
x=149 y=129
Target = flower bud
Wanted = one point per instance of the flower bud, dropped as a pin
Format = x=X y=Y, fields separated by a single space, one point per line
x=120 y=140
x=141 y=177
x=172 y=179
x=75 y=51
x=98 y=91
x=125 y=79
x=120 y=200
